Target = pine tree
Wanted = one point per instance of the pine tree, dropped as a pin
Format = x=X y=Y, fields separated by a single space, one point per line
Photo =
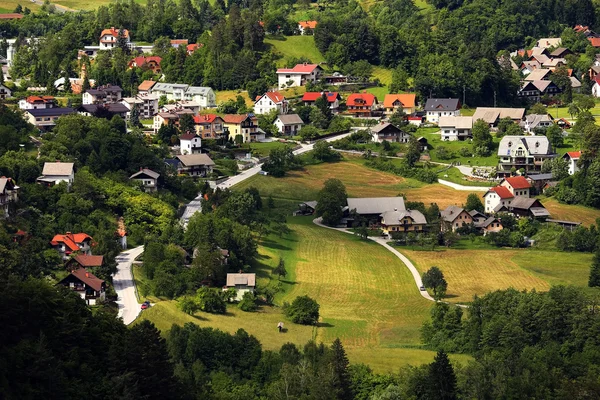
x=86 y=84
x=134 y=120
x=594 y=280
x=442 y=381
x=280 y=269
x=339 y=363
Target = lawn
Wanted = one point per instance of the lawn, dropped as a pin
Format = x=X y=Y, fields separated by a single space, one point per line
x=88 y=4
x=434 y=140
x=294 y=47
x=263 y=149
x=477 y=272
x=379 y=92
x=454 y=175
x=383 y=74
x=8 y=6
x=569 y=212
x=224 y=95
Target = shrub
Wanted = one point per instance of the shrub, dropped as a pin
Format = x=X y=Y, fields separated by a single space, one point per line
x=248 y=302
x=210 y=301
x=465 y=152
x=443 y=153
x=303 y=310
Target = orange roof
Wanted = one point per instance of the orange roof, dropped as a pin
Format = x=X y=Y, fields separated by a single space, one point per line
x=234 y=118
x=179 y=41
x=594 y=41
x=205 y=118
x=299 y=69
x=140 y=61
x=574 y=154
x=308 y=24
x=580 y=28
x=70 y=240
x=89 y=261
x=408 y=100
x=361 y=99
x=313 y=96
x=146 y=85
x=276 y=97
x=11 y=16
x=518 y=182
x=501 y=191
x=114 y=32
x=88 y=278
x=193 y=47
x=39 y=99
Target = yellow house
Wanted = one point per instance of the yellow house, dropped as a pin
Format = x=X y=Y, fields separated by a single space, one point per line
x=407 y=102
x=402 y=221
x=244 y=124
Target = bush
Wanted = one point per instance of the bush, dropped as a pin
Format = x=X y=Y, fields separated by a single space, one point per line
x=210 y=301
x=465 y=152
x=248 y=302
x=303 y=310
x=443 y=153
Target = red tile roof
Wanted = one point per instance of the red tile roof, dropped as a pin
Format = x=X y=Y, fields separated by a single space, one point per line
x=234 y=118
x=187 y=136
x=313 y=96
x=574 y=154
x=89 y=261
x=299 y=69
x=114 y=32
x=140 y=61
x=205 y=118
x=594 y=41
x=146 y=85
x=70 y=240
x=11 y=16
x=408 y=100
x=40 y=99
x=501 y=191
x=179 y=41
x=88 y=278
x=308 y=24
x=580 y=28
x=361 y=99
x=193 y=47
x=276 y=97
x=518 y=182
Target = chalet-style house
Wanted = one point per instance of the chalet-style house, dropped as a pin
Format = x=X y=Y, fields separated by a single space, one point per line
x=271 y=101
x=306 y=27
x=523 y=152
x=538 y=182
x=191 y=106
x=242 y=283
x=402 y=221
x=46 y=118
x=534 y=91
x=190 y=143
x=203 y=96
x=146 y=87
x=306 y=208
x=5 y=92
x=169 y=118
x=57 y=172
x=87 y=285
x=8 y=194
x=546 y=43
x=361 y=104
x=146 y=104
x=512 y=195
x=299 y=75
x=102 y=95
x=84 y=261
x=436 y=108
x=147 y=178
x=493 y=115
x=560 y=52
x=394 y=102
x=533 y=121
x=109 y=38
x=489 y=225
x=456 y=128
x=70 y=243
x=478 y=217
x=37 y=102
x=388 y=132
x=209 y=126
x=454 y=217
x=572 y=157
x=107 y=111
x=371 y=208
x=525 y=207
x=289 y=124
x=585 y=30
x=245 y=125
x=196 y=165
x=151 y=63
x=540 y=74
x=333 y=98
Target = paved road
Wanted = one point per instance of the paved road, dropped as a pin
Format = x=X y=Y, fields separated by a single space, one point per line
x=129 y=308
x=464 y=188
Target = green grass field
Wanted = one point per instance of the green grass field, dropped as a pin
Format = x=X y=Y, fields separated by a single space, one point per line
x=379 y=92
x=435 y=141
x=88 y=4
x=383 y=74
x=294 y=47
x=454 y=175
x=263 y=149
x=8 y=6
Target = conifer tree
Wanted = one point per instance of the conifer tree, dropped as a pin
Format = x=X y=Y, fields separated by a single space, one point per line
x=594 y=280
x=339 y=363
x=442 y=381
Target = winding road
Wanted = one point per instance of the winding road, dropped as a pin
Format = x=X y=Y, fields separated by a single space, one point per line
x=129 y=308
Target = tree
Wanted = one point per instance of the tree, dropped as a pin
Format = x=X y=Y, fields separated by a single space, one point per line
x=434 y=279
x=188 y=305
x=303 y=310
x=594 y=280
x=323 y=152
x=280 y=160
x=554 y=134
x=413 y=152
x=537 y=108
x=573 y=110
x=474 y=203
x=280 y=269
x=122 y=42
x=442 y=381
x=248 y=302
x=186 y=124
x=134 y=120
x=340 y=363
x=210 y=301
x=330 y=201
x=482 y=139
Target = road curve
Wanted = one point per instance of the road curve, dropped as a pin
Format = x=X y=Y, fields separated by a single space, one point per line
x=464 y=188
x=129 y=308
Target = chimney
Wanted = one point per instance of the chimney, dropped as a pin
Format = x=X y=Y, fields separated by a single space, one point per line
x=87 y=274
x=395 y=209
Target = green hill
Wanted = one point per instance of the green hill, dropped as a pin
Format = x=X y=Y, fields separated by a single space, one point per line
x=294 y=47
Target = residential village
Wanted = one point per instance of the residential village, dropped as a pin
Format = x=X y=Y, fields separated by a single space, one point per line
x=163 y=196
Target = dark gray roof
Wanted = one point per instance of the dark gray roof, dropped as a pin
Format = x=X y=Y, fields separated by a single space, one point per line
x=540 y=177
x=442 y=105
x=376 y=205
x=394 y=217
x=451 y=212
x=145 y=171
x=379 y=127
x=50 y=112
x=113 y=108
x=474 y=213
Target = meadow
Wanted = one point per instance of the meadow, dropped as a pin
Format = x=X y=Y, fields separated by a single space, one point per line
x=294 y=47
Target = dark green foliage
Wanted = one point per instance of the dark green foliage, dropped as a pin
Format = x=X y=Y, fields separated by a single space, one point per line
x=323 y=152
x=423 y=174
x=210 y=301
x=280 y=160
x=594 y=279
x=442 y=381
x=248 y=302
x=474 y=203
x=482 y=139
x=280 y=270
x=303 y=310
x=331 y=200
x=434 y=279
x=340 y=364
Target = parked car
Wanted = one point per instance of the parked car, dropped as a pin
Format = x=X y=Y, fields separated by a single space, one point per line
x=145 y=305
x=422 y=288
x=263 y=172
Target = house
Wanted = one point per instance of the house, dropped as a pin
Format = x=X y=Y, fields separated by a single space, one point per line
x=493 y=115
x=87 y=285
x=242 y=124
x=56 y=172
x=196 y=165
x=191 y=48
x=454 y=217
x=102 y=95
x=148 y=179
x=204 y=96
x=361 y=104
x=423 y=144
x=271 y=101
x=151 y=63
x=242 y=283
x=594 y=41
x=371 y=208
x=517 y=185
x=107 y=111
x=175 y=43
x=84 y=261
x=333 y=98
x=575 y=84
x=402 y=221
x=572 y=157
x=523 y=152
x=146 y=87
x=478 y=217
x=489 y=225
x=548 y=42
x=405 y=102
x=534 y=91
x=505 y=193
x=533 y=121
x=37 y=102
x=133 y=102
x=524 y=207
x=8 y=194
x=307 y=208
x=585 y=30
x=5 y=92
x=563 y=123
x=191 y=106
x=540 y=74
x=190 y=143
x=436 y=108
x=554 y=63
x=560 y=52
x=289 y=124
x=70 y=243
x=335 y=79
x=164 y=118
x=299 y=75
x=538 y=182
x=46 y=117
x=209 y=126
x=527 y=67
x=109 y=38
x=388 y=132
x=415 y=120
x=306 y=27
x=455 y=128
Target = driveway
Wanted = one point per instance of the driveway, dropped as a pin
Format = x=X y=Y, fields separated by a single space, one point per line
x=129 y=308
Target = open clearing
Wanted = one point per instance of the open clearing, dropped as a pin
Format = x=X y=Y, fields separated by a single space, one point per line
x=295 y=47
x=570 y=212
x=8 y=6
